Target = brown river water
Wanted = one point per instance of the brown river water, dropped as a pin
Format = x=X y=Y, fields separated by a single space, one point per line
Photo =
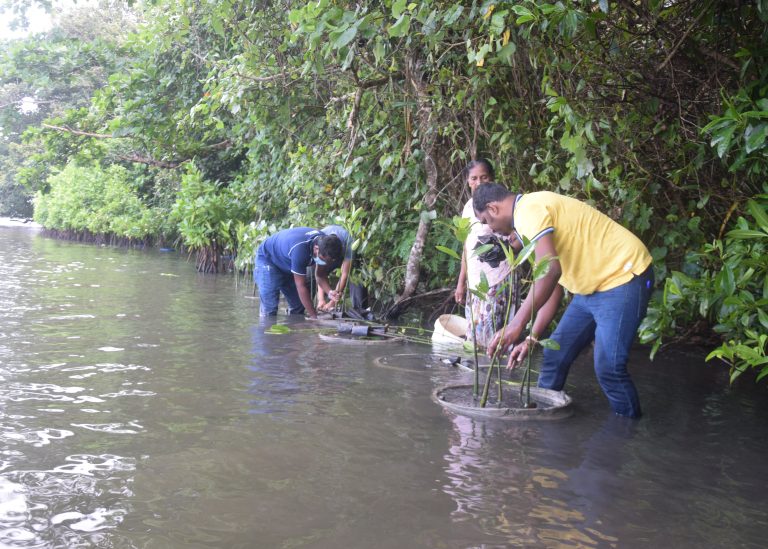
x=143 y=406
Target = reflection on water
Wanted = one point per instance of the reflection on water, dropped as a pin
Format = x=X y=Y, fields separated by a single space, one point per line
x=143 y=405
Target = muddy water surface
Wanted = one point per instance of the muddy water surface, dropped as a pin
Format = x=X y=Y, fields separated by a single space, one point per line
x=143 y=405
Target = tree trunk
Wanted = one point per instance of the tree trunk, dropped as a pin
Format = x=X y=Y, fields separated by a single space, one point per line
x=427 y=127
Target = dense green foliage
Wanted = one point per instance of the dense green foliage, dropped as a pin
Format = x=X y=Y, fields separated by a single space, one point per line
x=727 y=288
x=236 y=117
x=95 y=200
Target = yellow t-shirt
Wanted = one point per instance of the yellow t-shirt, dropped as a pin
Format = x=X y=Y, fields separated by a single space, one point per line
x=596 y=253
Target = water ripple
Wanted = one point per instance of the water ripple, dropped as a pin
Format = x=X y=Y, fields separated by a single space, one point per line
x=92 y=465
x=99 y=519
x=36 y=438
x=52 y=508
x=130 y=428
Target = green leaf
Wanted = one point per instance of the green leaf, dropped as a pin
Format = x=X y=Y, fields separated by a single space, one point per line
x=758 y=213
x=762 y=11
x=736 y=372
x=744 y=234
x=401 y=26
x=550 y=344
x=379 y=49
x=526 y=252
x=726 y=280
x=345 y=37
x=548 y=9
x=449 y=251
x=481 y=290
x=506 y=53
x=765 y=288
x=218 y=26
x=497 y=23
x=478 y=293
x=279 y=329
x=755 y=137
x=398 y=7
x=453 y=14
x=541 y=268
x=480 y=250
x=721 y=139
x=521 y=10
x=348 y=59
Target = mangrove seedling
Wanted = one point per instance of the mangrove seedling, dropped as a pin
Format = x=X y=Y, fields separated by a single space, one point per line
x=460 y=228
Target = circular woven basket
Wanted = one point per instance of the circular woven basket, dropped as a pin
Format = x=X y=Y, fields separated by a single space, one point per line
x=366 y=340
x=550 y=404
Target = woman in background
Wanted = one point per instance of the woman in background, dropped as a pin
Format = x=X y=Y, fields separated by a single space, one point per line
x=489 y=314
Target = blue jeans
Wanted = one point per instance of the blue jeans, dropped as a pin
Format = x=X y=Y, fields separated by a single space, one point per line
x=272 y=282
x=611 y=318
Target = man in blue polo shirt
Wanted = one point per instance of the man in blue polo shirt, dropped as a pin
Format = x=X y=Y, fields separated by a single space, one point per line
x=281 y=267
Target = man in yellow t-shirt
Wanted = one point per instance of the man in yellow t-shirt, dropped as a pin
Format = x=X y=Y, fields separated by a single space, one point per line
x=606 y=268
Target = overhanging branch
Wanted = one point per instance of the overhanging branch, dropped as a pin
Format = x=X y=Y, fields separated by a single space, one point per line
x=79 y=132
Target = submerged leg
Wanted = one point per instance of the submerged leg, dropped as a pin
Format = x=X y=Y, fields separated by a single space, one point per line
x=574 y=332
x=288 y=287
x=268 y=280
x=618 y=313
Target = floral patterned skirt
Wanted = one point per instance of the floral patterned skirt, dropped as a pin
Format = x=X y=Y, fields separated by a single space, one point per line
x=491 y=314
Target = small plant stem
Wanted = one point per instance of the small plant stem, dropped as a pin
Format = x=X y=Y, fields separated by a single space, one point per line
x=487 y=385
x=509 y=291
x=498 y=380
x=476 y=380
x=527 y=376
x=476 y=377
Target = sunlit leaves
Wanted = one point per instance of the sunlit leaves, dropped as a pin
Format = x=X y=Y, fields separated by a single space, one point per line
x=759 y=213
x=97 y=201
x=452 y=14
x=400 y=27
x=345 y=37
x=449 y=252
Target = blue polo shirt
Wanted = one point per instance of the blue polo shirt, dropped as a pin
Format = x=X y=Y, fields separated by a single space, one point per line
x=290 y=250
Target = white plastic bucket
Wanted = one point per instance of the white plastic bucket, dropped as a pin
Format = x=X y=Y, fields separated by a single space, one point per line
x=450 y=329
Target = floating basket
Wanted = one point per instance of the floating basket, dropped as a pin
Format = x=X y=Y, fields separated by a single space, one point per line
x=550 y=404
x=345 y=339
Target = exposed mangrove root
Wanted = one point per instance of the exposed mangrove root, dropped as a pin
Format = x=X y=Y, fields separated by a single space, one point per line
x=100 y=239
x=399 y=307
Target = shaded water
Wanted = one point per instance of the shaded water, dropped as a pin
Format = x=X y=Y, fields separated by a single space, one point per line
x=142 y=405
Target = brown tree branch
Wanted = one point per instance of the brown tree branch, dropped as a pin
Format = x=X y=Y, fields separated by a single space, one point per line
x=79 y=132
x=151 y=161
x=685 y=36
x=427 y=126
x=398 y=307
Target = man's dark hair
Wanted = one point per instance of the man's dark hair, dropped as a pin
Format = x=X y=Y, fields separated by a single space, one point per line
x=330 y=247
x=480 y=162
x=485 y=194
